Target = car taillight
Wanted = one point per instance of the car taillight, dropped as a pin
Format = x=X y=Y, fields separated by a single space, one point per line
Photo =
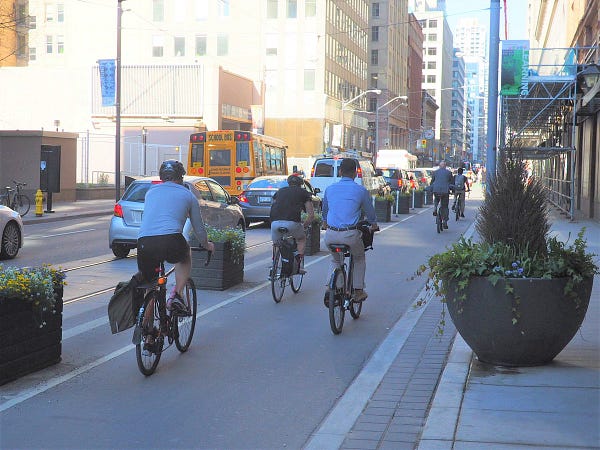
x=359 y=172
x=423 y=180
x=312 y=172
x=118 y=211
x=243 y=198
x=400 y=182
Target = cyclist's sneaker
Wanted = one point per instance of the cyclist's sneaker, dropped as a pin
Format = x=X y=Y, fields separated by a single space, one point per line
x=360 y=295
x=462 y=215
x=453 y=207
x=434 y=212
x=445 y=225
x=175 y=305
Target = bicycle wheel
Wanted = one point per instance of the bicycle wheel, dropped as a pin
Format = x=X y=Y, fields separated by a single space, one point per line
x=148 y=353
x=22 y=204
x=277 y=279
x=438 y=221
x=355 y=309
x=184 y=326
x=296 y=282
x=457 y=208
x=337 y=288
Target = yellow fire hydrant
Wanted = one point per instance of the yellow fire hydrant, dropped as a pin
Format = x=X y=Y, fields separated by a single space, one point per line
x=39 y=203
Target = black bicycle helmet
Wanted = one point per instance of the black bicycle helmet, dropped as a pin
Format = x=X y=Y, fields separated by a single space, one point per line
x=294 y=180
x=171 y=170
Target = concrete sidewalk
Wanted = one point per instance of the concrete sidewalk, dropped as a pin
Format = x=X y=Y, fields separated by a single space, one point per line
x=67 y=210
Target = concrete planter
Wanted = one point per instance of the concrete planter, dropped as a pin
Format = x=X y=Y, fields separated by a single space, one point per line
x=221 y=273
x=383 y=209
x=547 y=323
x=418 y=199
x=402 y=204
x=24 y=346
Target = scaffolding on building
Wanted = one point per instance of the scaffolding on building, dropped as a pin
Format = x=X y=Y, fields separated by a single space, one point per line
x=542 y=124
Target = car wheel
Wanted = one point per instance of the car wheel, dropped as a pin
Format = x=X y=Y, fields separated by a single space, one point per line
x=120 y=250
x=11 y=239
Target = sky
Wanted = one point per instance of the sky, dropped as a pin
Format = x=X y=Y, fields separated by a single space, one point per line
x=516 y=9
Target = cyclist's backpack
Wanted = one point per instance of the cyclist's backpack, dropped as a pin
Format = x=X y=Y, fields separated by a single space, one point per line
x=125 y=303
x=288 y=250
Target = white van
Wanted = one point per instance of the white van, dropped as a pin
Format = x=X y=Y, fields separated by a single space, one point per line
x=325 y=172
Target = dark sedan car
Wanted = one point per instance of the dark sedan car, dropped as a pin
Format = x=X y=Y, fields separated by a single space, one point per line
x=256 y=200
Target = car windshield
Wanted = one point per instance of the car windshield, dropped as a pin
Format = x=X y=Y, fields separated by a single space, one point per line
x=136 y=192
x=388 y=173
x=268 y=183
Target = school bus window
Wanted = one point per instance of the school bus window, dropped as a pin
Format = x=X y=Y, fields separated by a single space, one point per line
x=242 y=152
x=220 y=158
x=198 y=154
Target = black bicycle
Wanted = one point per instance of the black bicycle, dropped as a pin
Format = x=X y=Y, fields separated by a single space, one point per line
x=153 y=324
x=340 y=296
x=459 y=204
x=441 y=217
x=15 y=199
x=284 y=269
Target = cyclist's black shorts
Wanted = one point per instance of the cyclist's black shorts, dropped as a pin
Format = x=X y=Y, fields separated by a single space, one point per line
x=172 y=248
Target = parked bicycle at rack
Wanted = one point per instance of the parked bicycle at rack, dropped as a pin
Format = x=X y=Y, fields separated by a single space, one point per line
x=154 y=325
x=15 y=199
x=285 y=267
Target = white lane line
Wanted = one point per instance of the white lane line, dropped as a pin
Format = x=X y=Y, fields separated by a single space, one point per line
x=341 y=418
x=61 y=234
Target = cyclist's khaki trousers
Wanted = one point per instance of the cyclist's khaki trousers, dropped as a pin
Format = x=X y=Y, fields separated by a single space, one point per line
x=353 y=239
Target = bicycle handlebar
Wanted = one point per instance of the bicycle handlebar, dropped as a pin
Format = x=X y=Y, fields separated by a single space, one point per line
x=202 y=249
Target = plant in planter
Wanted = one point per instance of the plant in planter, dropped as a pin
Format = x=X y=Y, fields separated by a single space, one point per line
x=313 y=234
x=402 y=202
x=383 y=207
x=226 y=267
x=30 y=319
x=518 y=296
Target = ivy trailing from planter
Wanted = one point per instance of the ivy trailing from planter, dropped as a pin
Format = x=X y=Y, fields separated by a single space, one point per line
x=235 y=236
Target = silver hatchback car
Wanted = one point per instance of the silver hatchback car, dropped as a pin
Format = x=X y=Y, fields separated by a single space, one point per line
x=218 y=208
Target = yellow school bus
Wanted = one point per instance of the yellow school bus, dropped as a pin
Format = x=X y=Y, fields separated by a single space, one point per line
x=234 y=158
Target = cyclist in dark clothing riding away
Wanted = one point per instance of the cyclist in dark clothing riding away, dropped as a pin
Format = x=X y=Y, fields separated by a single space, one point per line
x=461 y=184
x=167 y=206
x=441 y=180
x=286 y=210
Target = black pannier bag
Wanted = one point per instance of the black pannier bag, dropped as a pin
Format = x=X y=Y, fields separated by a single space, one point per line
x=367 y=235
x=125 y=303
x=288 y=249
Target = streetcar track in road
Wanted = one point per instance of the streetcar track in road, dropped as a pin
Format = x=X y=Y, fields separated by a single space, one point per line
x=66 y=233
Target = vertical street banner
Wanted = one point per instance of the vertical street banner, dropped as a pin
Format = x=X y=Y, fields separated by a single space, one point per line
x=107 y=81
x=514 y=73
x=258 y=119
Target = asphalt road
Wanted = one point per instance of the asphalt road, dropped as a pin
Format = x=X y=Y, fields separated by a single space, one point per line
x=258 y=374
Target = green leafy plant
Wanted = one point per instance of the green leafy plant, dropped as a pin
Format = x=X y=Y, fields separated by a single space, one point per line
x=384 y=198
x=33 y=285
x=318 y=217
x=514 y=229
x=235 y=236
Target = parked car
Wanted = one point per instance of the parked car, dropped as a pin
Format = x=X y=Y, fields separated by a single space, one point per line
x=218 y=208
x=11 y=225
x=325 y=172
x=398 y=179
x=257 y=198
x=423 y=174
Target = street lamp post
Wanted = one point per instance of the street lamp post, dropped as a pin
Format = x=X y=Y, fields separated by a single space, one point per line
x=118 y=107
x=352 y=100
x=403 y=97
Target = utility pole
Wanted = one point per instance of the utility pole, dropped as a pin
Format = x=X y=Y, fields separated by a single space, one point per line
x=494 y=51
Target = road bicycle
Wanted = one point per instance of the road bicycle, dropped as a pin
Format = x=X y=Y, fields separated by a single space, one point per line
x=283 y=272
x=154 y=325
x=459 y=204
x=15 y=200
x=340 y=295
x=441 y=213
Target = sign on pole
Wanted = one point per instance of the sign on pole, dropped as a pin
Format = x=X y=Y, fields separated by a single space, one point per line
x=515 y=68
x=107 y=81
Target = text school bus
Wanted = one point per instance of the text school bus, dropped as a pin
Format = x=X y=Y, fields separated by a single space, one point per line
x=234 y=158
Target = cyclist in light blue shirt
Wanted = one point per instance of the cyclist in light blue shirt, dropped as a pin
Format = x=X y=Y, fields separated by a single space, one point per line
x=344 y=203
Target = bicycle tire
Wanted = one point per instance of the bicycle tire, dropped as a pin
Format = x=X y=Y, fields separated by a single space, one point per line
x=438 y=221
x=277 y=280
x=457 y=208
x=148 y=360
x=355 y=309
x=337 y=289
x=184 y=326
x=21 y=204
x=296 y=282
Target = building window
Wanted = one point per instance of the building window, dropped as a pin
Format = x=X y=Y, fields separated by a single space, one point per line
x=292 y=9
x=374 y=57
x=158 y=10
x=423 y=23
x=201 y=9
x=372 y=104
x=310 y=8
x=433 y=23
x=49 y=44
x=374 y=78
x=222 y=45
x=223 y=8
x=375 y=9
x=309 y=79
x=272 y=9
x=179 y=13
x=179 y=47
x=32 y=22
x=60 y=44
x=32 y=54
x=271 y=51
x=375 y=34
x=60 y=12
x=432 y=51
x=158 y=46
x=430 y=78
x=200 y=45
x=432 y=37
x=431 y=64
x=50 y=13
